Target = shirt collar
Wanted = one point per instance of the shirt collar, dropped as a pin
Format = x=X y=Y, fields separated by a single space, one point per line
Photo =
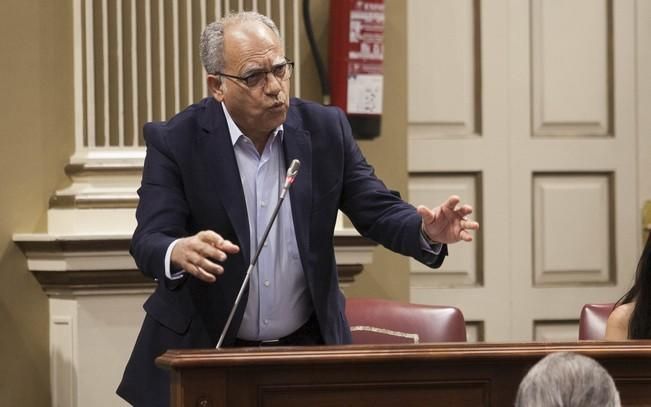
x=236 y=133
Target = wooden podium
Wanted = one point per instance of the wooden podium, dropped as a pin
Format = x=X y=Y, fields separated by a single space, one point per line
x=386 y=375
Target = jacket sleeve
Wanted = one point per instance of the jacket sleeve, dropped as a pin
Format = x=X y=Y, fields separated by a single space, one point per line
x=162 y=210
x=375 y=211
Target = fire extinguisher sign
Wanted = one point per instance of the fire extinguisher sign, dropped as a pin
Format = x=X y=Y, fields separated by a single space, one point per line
x=365 y=58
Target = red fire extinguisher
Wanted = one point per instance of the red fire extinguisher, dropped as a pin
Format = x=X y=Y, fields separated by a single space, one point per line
x=356 y=62
x=356 y=55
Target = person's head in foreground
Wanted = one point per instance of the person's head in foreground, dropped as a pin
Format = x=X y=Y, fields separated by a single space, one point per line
x=566 y=379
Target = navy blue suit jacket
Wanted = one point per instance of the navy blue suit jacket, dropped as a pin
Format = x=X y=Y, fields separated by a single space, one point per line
x=191 y=183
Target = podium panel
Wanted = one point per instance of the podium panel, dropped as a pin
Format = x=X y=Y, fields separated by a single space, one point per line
x=386 y=375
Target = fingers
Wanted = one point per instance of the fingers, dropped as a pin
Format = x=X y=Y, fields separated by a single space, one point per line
x=230 y=248
x=467 y=224
x=465 y=236
x=452 y=202
x=199 y=254
x=201 y=273
x=426 y=213
x=449 y=222
x=449 y=206
x=464 y=210
x=205 y=264
x=214 y=239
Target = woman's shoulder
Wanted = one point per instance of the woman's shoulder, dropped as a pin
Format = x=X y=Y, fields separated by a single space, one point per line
x=617 y=326
x=623 y=311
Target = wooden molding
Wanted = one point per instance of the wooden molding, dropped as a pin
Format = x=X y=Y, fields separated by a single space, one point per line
x=63 y=263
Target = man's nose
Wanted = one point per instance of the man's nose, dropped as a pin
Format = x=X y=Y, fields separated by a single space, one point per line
x=272 y=84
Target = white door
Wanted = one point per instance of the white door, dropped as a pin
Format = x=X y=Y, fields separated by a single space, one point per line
x=529 y=111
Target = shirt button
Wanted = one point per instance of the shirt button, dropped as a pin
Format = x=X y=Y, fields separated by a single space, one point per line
x=266 y=322
x=263 y=204
x=265 y=244
x=267 y=283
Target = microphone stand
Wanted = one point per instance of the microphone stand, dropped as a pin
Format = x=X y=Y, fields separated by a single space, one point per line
x=289 y=180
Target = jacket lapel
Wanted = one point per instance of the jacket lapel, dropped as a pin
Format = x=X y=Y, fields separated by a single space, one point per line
x=218 y=157
x=297 y=145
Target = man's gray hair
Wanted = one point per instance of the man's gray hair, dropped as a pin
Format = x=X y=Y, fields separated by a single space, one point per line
x=212 y=38
x=565 y=379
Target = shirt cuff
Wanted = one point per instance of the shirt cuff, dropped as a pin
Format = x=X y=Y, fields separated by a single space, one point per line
x=434 y=247
x=168 y=264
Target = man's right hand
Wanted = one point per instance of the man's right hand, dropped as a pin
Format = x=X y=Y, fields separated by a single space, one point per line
x=199 y=254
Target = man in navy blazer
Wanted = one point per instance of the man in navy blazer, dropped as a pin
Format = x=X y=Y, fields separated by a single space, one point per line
x=200 y=212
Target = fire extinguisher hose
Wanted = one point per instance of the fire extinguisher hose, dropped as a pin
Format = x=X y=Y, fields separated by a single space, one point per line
x=323 y=77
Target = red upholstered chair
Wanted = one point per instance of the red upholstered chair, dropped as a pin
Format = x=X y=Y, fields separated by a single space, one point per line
x=384 y=321
x=592 y=324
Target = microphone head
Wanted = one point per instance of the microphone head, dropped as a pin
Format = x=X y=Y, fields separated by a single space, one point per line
x=291 y=176
x=293 y=168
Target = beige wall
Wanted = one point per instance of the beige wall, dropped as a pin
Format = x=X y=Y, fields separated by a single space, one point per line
x=388 y=276
x=35 y=143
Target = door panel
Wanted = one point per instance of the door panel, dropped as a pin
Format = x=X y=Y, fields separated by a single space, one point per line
x=548 y=158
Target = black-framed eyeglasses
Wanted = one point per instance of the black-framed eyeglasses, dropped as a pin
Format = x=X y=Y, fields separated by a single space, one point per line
x=281 y=71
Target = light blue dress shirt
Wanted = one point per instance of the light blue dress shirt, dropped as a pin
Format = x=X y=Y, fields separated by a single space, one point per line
x=279 y=301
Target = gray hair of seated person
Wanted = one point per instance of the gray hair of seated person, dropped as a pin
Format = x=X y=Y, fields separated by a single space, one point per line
x=211 y=44
x=565 y=379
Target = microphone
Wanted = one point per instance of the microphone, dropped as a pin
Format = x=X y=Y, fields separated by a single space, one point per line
x=291 y=176
x=292 y=171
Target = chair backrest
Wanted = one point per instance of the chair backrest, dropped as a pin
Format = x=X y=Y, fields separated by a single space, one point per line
x=592 y=323
x=384 y=321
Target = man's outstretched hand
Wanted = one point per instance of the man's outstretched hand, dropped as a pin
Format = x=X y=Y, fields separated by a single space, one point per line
x=448 y=222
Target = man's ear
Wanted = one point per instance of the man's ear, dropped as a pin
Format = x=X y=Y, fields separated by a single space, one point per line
x=215 y=87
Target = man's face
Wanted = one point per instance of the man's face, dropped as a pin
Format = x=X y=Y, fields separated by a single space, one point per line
x=251 y=47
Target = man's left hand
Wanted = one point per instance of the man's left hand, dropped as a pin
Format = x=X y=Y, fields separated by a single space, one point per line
x=448 y=222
